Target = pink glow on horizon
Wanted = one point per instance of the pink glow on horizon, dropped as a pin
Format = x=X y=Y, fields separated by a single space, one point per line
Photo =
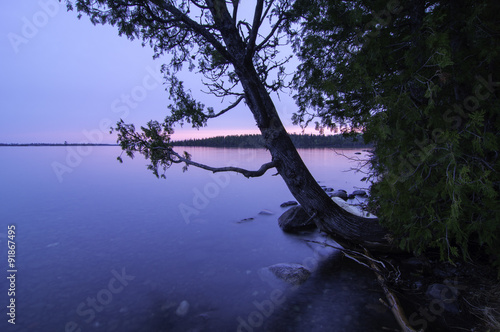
x=185 y=134
x=98 y=136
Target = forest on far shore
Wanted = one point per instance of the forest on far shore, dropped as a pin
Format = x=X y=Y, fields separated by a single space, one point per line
x=300 y=141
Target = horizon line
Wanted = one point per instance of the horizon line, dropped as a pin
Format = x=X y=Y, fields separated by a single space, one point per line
x=178 y=140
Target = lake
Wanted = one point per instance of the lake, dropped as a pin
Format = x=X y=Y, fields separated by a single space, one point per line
x=104 y=246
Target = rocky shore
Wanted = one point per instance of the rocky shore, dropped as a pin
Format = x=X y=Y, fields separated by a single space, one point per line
x=436 y=296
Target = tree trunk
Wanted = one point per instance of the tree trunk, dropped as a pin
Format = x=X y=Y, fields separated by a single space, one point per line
x=344 y=227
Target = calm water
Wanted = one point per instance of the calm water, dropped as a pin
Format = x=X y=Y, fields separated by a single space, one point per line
x=104 y=246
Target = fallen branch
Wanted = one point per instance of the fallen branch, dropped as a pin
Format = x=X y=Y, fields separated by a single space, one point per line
x=375 y=265
x=394 y=305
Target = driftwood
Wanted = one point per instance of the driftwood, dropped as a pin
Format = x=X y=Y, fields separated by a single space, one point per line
x=380 y=269
x=394 y=304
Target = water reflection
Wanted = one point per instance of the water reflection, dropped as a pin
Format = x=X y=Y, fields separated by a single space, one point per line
x=105 y=217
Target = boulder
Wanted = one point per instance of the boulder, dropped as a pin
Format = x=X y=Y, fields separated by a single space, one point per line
x=294 y=274
x=359 y=193
x=295 y=219
x=352 y=208
x=340 y=193
x=289 y=203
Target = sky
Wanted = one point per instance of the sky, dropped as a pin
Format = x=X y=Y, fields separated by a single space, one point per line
x=64 y=79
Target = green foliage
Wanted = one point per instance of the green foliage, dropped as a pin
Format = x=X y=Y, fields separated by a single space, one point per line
x=421 y=78
x=153 y=142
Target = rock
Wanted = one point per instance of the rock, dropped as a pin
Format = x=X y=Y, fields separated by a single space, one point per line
x=340 y=193
x=295 y=219
x=445 y=296
x=266 y=213
x=357 y=152
x=352 y=209
x=328 y=190
x=182 y=309
x=294 y=274
x=204 y=316
x=359 y=193
x=289 y=203
x=245 y=220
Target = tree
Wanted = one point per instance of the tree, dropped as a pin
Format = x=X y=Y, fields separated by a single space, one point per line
x=239 y=58
x=421 y=78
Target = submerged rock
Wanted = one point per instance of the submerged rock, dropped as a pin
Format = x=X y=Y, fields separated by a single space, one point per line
x=291 y=273
x=266 y=213
x=182 y=309
x=295 y=219
x=289 y=203
x=245 y=220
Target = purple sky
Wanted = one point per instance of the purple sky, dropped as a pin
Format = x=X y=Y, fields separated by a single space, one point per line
x=64 y=79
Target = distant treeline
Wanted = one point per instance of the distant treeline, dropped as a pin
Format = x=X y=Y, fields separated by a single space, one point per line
x=256 y=141
x=55 y=144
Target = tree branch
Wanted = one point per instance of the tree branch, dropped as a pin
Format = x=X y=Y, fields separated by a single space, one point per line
x=257 y=19
x=379 y=268
x=247 y=173
x=270 y=35
x=394 y=304
x=230 y=107
x=235 y=9
x=195 y=28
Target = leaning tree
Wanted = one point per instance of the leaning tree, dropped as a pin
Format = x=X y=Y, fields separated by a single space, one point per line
x=238 y=56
